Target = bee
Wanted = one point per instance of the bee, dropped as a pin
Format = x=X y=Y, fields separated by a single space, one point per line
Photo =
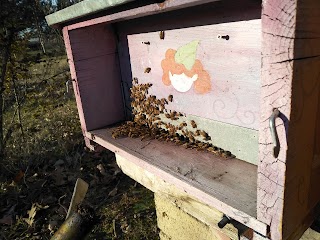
x=173 y=113
x=191 y=138
x=161 y=35
x=204 y=134
x=168 y=115
x=115 y=135
x=197 y=133
x=156 y=112
x=207 y=138
x=193 y=124
x=212 y=149
x=183 y=124
x=143 y=137
x=228 y=153
x=147 y=70
x=163 y=101
x=186 y=145
x=170 y=98
x=135 y=80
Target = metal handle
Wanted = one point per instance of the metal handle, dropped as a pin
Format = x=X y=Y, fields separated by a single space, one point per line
x=224 y=221
x=274 y=134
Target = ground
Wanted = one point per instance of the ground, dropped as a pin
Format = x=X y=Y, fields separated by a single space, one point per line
x=45 y=157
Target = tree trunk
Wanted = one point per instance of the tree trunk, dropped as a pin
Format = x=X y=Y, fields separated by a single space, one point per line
x=5 y=59
x=36 y=10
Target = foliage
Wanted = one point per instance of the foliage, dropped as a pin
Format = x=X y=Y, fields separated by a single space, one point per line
x=39 y=172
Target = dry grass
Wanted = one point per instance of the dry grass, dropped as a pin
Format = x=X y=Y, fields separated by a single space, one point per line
x=42 y=164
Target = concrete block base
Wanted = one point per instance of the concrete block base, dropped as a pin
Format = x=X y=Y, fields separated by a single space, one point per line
x=176 y=224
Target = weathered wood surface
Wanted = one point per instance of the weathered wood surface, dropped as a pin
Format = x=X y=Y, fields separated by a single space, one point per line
x=229 y=101
x=227 y=185
x=208 y=215
x=82 y=8
x=290 y=82
x=233 y=66
x=155 y=8
x=315 y=176
x=75 y=85
x=310 y=235
x=97 y=75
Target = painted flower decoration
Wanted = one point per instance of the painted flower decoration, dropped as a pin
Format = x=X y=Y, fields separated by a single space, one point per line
x=183 y=70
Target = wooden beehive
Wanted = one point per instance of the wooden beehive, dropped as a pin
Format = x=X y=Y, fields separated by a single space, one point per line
x=229 y=66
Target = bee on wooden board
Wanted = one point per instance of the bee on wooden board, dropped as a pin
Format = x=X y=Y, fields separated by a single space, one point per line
x=203 y=134
x=164 y=101
x=173 y=113
x=147 y=123
x=135 y=80
x=183 y=124
x=161 y=35
x=193 y=124
x=147 y=70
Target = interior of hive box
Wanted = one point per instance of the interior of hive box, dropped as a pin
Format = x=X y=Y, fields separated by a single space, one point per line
x=206 y=58
x=205 y=62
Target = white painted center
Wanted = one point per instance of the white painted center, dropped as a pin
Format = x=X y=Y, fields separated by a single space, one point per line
x=181 y=82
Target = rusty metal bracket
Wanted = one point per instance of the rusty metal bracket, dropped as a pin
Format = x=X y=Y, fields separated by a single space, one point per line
x=273 y=130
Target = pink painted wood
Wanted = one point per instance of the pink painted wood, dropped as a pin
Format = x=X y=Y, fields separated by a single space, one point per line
x=290 y=82
x=213 y=180
x=74 y=84
x=233 y=66
x=235 y=95
x=98 y=78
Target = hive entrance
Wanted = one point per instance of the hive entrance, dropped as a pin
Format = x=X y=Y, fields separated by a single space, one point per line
x=151 y=120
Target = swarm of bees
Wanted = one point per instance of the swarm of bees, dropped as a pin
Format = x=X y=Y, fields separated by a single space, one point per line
x=149 y=114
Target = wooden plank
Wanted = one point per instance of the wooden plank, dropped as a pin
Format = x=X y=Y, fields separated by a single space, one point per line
x=290 y=82
x=94 y=41
x=98 y=79
x=315 y=177
x=81 y=9
x=213 y=180
x=141 y=12
x=233 y=67
x=180 y=199
x=310 y=235
x=75 y=85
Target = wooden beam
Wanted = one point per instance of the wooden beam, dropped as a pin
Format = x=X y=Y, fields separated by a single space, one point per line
x=216 y=182
x=141 y=12
x=75 y=85
x=208 y=215
x=290 y=82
